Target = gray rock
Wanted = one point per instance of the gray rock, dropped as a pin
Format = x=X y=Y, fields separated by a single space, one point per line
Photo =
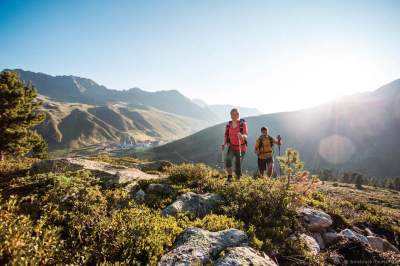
x=159 y=188
x=310 y=243
x=314 y=220
x=368 y=232
x=198 y=246
x=140 y=196
x=330 y=238
x=336 y=259
x=244 y=256
x=198 y=205
x=319 y=239
x=350 y=234
x=381 y=244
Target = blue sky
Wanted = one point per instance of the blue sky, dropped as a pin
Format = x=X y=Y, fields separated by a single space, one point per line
x=273 y=55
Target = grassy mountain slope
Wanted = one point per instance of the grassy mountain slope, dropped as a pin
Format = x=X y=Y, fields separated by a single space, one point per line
x=83 y=90
x=72 y=125
x=358 y=133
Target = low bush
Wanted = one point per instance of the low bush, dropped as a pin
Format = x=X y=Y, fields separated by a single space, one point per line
x=132 y=235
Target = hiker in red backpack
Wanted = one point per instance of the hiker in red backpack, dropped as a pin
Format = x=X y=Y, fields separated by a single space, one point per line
x=236 y=139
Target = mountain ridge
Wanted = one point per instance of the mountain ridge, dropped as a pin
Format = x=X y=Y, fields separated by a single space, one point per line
x=355 y=133
x=69 y=88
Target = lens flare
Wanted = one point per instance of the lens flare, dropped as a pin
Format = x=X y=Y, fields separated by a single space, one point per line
x=336 y=149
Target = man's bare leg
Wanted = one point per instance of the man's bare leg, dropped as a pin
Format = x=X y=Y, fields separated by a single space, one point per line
x=270 y=169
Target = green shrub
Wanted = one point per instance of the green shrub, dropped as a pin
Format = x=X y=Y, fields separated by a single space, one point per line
x=214 y=223
x=74 y=214
x=194 y=176
x=135 y=234
x=264 y=203
x=23 y=241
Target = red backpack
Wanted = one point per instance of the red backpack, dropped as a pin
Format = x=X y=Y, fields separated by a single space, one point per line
x=241 y=128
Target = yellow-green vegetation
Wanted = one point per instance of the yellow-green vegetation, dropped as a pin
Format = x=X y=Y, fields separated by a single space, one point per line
x=124 y=161
x=75 y=218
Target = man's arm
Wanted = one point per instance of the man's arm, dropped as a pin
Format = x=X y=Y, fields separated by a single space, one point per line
x=256 y=146
x=245 y=133
x=275 y=141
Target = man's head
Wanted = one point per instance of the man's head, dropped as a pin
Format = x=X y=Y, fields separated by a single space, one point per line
x=264 y=130
x=235 y=114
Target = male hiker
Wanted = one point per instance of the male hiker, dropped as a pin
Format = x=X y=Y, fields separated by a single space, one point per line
x=263 y=149
x=236 y=139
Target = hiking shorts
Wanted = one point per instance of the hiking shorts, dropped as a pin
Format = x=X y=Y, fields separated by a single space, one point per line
x=263 y=163
x=234 y=155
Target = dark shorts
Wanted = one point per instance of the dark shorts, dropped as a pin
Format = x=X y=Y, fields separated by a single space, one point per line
x=263 y=163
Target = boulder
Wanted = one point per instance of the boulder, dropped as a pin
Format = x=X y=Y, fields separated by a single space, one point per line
x=159 y=189
x=314 y=220
x=354 y=236
x=198 y=205
x=381 y=244
x=244 y=256
x=310 y=243
x=319 y=239
x=196 y=246
x=140 y=196
x=330 y=238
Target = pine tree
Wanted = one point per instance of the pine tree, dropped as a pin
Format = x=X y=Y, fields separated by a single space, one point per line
x=18 y=116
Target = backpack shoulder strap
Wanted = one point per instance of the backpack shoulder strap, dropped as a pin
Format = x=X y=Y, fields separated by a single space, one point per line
x=260 y=142
x=227 y=127
x=271 y=140
x=241 y=125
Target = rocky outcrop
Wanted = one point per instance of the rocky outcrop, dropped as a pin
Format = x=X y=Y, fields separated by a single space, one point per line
x=198 y=246
x=159 y=189
x=106 y=172
x=381 y=244
x=238 y=256
x=354 y=236
x=314 y=220
x=319 y=239
x=330 y=238
x=198 y=205
x=310 y=243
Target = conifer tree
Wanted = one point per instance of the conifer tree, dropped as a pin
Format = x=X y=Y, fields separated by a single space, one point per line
x=19 y=114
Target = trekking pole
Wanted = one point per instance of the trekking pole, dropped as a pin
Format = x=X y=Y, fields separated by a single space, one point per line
x=240 y=154
x=240 y=148
x=279 y=152
x=279 y=145
x=222 y=155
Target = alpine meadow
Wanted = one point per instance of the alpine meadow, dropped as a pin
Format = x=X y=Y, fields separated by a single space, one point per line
x=221 y=133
